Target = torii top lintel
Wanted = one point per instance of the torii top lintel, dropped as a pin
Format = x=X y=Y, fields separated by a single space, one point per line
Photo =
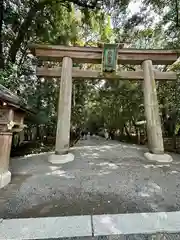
x=94 y=54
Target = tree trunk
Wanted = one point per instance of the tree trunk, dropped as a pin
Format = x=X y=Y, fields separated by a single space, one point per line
x=127 y=132
x=37 y=132
x=23 y=29
x=138 y=135
x=1 y=33
x=122 y=131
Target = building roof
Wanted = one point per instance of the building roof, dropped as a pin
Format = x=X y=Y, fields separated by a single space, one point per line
x=13 y=100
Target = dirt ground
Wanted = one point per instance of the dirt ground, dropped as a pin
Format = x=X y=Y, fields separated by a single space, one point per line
x=105 y=177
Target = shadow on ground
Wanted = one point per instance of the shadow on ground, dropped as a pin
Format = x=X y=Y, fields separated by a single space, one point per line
x=105 y=177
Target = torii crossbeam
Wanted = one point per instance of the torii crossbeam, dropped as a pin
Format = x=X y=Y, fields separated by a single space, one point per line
x=93 y=74
x=94 y=54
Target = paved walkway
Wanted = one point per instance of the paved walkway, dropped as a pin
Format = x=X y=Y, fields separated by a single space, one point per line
x=105 y=177
x=137 y=226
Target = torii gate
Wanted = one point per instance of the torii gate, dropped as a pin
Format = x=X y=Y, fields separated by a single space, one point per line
x=111 y=55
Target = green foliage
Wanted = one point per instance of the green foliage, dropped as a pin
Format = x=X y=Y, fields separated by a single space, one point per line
x=8 y=77
x=97 y=104
x=117 y=104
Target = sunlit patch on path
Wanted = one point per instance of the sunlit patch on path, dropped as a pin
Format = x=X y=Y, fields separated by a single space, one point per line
x=106 y=177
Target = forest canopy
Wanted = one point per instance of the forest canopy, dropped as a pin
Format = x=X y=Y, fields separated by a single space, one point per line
x=96 y=104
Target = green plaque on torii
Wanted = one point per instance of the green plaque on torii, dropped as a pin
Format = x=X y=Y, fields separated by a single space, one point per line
x=109 y=57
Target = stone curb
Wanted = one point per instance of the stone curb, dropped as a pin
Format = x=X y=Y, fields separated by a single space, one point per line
x=90 y=226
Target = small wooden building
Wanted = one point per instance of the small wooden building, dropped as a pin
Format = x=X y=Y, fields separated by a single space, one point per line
x=12 y=113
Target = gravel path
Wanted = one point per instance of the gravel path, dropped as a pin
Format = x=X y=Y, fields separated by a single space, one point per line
x=105 y=177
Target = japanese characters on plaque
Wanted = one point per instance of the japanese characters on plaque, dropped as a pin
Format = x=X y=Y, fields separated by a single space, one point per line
x=109 y=58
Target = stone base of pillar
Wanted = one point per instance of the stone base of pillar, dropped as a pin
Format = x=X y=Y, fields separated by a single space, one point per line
x=161 y=158
x=61 y=159
x=63 y=152
x=5 y=178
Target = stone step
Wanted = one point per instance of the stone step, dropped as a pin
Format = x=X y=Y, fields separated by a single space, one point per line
x=135 y=226
x=162 y=236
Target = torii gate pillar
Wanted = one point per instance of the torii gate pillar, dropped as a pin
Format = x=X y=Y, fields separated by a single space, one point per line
x=64 y=115
x=154 y=131
x=64 y=108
